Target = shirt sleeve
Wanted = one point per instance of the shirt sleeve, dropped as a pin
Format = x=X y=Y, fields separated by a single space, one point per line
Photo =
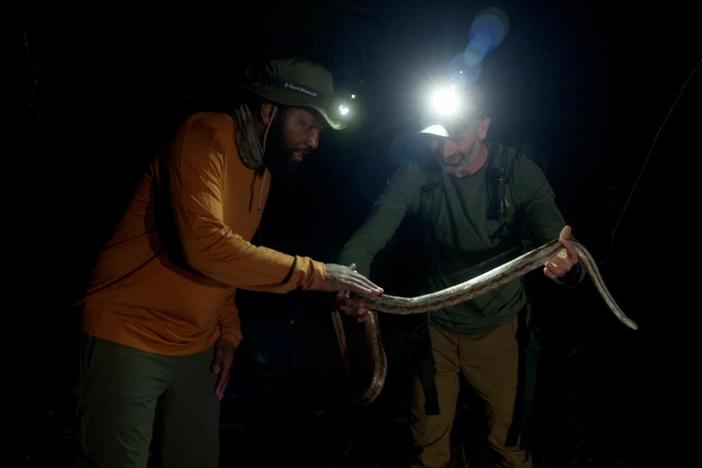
x=195 y=171
x=229 y=323
x=544 y=220
x=535 y=197
x=399 y=198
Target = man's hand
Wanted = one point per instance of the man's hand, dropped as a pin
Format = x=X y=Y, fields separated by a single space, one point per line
x=346 y=278
x=561 y=263
x=222 y=365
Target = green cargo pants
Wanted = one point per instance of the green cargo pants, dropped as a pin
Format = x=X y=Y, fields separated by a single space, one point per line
x=126 y=395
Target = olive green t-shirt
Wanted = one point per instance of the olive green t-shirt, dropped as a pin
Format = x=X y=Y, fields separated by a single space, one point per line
x=464 y=232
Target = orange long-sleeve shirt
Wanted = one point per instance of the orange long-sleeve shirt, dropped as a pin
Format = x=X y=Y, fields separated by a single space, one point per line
x=140 y=298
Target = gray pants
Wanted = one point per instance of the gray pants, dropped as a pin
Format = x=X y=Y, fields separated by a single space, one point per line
x=126 y=394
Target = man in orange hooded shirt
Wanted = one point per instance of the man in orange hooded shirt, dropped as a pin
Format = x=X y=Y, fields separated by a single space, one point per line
x=160 y=324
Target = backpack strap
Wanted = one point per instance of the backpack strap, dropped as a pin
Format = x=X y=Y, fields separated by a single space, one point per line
x=500 y=174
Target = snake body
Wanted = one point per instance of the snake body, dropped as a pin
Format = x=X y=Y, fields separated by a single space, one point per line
x=460 y=293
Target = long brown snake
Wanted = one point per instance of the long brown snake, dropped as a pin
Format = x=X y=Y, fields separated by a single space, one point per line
x=456 y=294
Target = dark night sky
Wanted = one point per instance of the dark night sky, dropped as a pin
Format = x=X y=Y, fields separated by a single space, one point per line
x=588 y=84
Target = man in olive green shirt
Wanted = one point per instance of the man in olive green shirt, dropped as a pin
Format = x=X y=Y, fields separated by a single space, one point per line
x=478 y=203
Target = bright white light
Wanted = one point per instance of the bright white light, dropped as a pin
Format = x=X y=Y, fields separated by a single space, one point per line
x=344 y=109
x=353 y=96
x=445 y=102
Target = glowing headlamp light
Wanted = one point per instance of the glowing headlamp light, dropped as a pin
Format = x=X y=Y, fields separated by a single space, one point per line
x=446 y=102
x=449 y=110
x=343 y=107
